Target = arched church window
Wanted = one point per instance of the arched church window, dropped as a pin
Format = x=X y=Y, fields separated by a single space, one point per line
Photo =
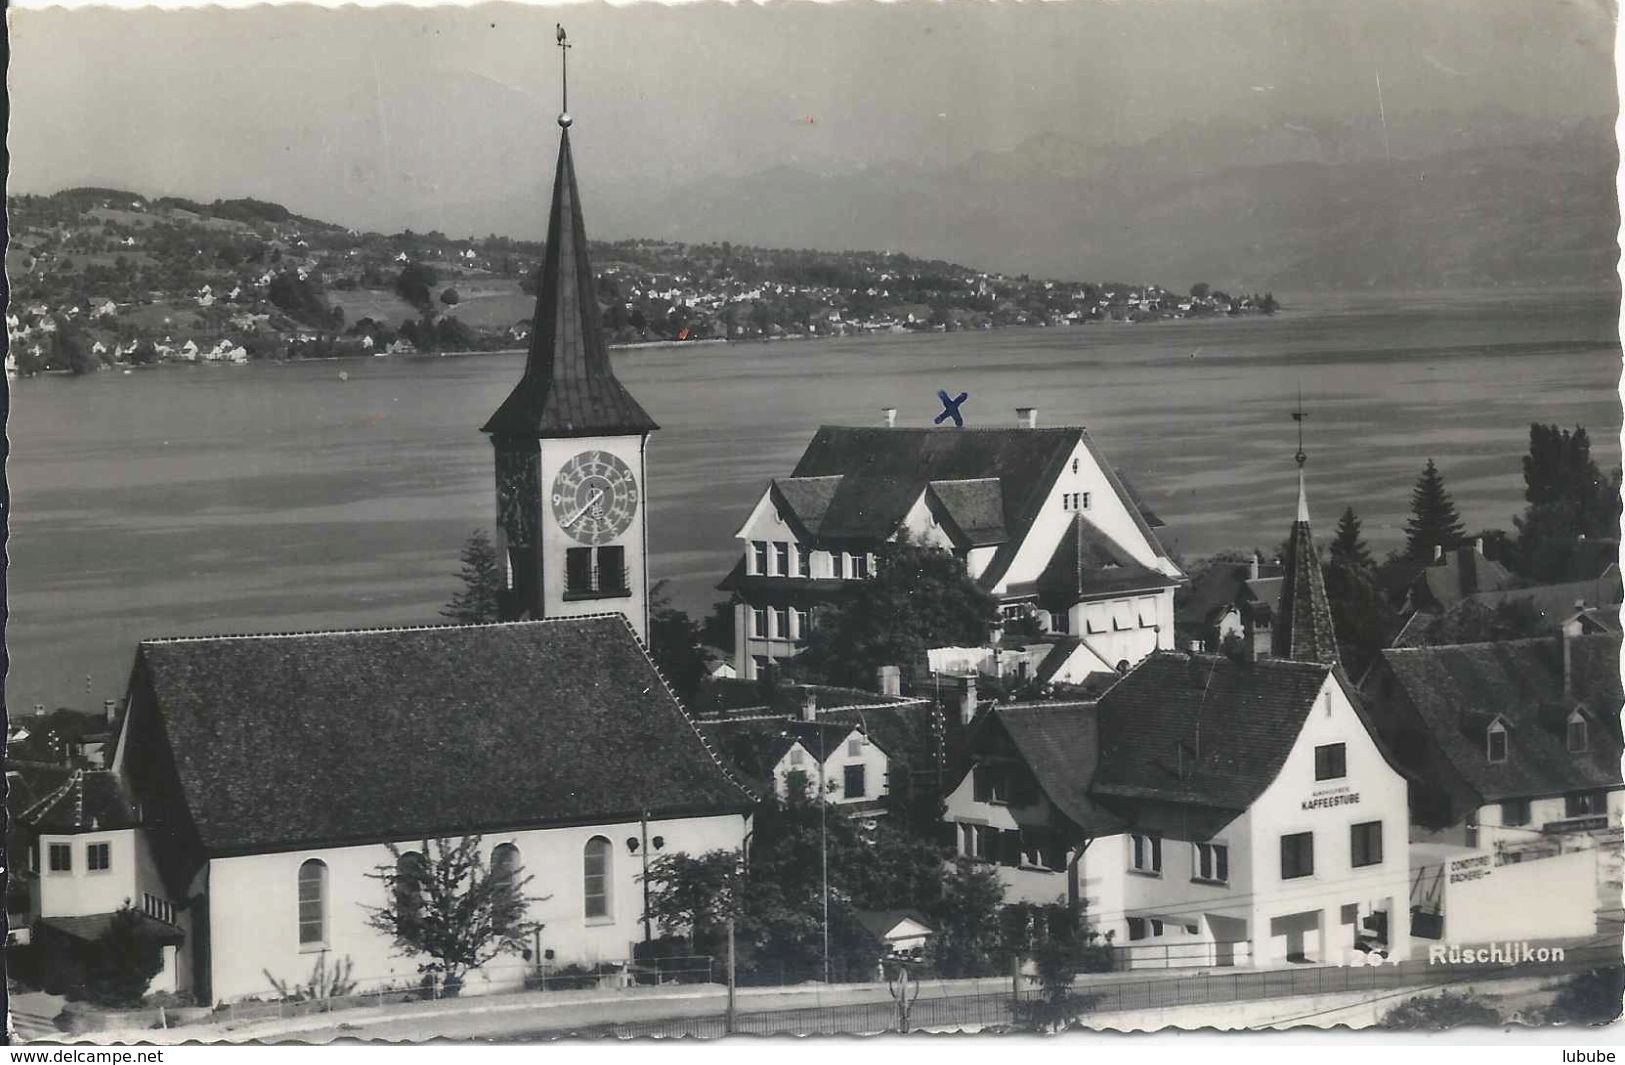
x=595 y=877
x=313 y=903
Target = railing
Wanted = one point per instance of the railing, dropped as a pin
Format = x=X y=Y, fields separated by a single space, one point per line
x=1014 y=1009
x=1191 y=955
x=614 y=975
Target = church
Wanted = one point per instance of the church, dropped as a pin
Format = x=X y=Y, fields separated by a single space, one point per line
x=259 y=781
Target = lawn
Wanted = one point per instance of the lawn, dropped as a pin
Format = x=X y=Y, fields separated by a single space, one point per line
x=381 y=305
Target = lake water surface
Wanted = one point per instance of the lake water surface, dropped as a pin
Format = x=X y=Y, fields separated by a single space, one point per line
x=263 y=498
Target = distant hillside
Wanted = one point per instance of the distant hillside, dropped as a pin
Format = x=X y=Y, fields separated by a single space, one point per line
x=1287 y=207
x=105 y=277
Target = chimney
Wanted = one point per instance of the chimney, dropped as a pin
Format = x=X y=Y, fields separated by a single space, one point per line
x=39 y=709
x=888 y=680
x=1438 y=552
x=967 y=702
x=110 y=708
x=1027 y=417
x=1252 y=567
x=1478 y=546
x=890 y=414
x=809 y=706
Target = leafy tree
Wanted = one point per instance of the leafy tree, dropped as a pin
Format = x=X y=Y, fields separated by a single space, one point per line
x=1362 y=618
x=450 y=297
x=442 y=903
x=1435 y=1012
x=1058 y=940
x=481 y=598
x=122 y=960
x=1569 y=499
x=70 y=353
x=1348 y=547
x=675 y=644
x=717 y=630
x=967 y=942
x=777 y=901
x=1434 y=522
x=919 y=597
x=413 y=284
x=1200 y=290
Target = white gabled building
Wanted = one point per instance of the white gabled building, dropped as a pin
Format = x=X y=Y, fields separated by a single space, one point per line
x=1037 y=516
x=258 y=779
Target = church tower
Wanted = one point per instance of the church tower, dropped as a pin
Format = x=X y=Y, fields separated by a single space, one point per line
x=569 y=444
x=1303 y=618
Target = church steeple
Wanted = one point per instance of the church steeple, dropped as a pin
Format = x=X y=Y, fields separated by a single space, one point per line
x=1303 y=620
x=570 y=445
x=568 y=388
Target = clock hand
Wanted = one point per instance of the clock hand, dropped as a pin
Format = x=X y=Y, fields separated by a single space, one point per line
x=588 y=505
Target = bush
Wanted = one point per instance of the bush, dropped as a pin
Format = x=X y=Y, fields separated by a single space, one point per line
x=122 y=962
x=1437 y=1012
x=1588 y=998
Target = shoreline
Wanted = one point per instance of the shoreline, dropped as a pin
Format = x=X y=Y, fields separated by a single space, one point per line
x=646 y=345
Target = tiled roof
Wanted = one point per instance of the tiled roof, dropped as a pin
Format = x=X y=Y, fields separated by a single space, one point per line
x=1555 y=602
x=88 y=801
x=884 y=470
x=1225 y=584
x=569 y=387
x=1460 y=573
x=1060 y=745
x=1202 y=728
x=1459 y=689
x=976 y=508
x=323 y=738
x=808 y=499
x=1088 y=563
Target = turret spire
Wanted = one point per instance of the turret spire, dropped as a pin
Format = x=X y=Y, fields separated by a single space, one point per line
x=1303 y=618
x=568 y=388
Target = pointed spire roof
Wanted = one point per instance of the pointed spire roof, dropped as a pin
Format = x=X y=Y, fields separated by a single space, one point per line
x=1303 y=619
x=569 y=388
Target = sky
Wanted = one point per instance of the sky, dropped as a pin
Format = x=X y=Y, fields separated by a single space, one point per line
x=442 y=117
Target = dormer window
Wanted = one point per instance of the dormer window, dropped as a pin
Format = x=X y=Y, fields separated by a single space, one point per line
x=1497 y=742
x=1579 y=738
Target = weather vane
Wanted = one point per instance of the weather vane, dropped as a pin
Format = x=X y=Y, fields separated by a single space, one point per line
x=1298 y=416
x=564 y=75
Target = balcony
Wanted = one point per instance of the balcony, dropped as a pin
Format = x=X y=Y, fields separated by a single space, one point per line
x=597 y=582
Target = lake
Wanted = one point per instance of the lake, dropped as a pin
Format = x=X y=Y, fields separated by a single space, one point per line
x=263 y=498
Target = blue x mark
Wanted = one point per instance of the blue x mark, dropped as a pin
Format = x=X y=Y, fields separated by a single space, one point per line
x=950 y=409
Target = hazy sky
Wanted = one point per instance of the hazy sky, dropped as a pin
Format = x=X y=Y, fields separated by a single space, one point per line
x=443 y=117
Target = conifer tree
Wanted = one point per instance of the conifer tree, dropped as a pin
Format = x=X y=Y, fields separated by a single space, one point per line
x=481 y=597
x=1348 y=547
x=1434 y=521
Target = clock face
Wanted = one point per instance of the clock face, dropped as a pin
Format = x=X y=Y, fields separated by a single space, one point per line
x=594 y=497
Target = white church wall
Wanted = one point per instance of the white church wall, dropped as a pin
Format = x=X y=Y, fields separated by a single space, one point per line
x=254 y=905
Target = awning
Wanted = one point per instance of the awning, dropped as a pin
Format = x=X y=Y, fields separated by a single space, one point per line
x=90 y=928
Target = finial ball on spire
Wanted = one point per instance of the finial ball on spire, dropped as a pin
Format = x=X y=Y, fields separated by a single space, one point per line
x=565 y=120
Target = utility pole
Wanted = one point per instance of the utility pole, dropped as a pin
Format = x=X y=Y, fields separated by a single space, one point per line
x=731 y=1017
x=643 y=849
x=823 y=848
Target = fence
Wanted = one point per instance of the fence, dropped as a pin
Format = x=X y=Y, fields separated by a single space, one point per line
x=618 y=974
x=996 y=1009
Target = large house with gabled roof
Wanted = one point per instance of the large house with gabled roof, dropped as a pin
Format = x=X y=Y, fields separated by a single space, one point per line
x=1037 y=516
x=1510 y=743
